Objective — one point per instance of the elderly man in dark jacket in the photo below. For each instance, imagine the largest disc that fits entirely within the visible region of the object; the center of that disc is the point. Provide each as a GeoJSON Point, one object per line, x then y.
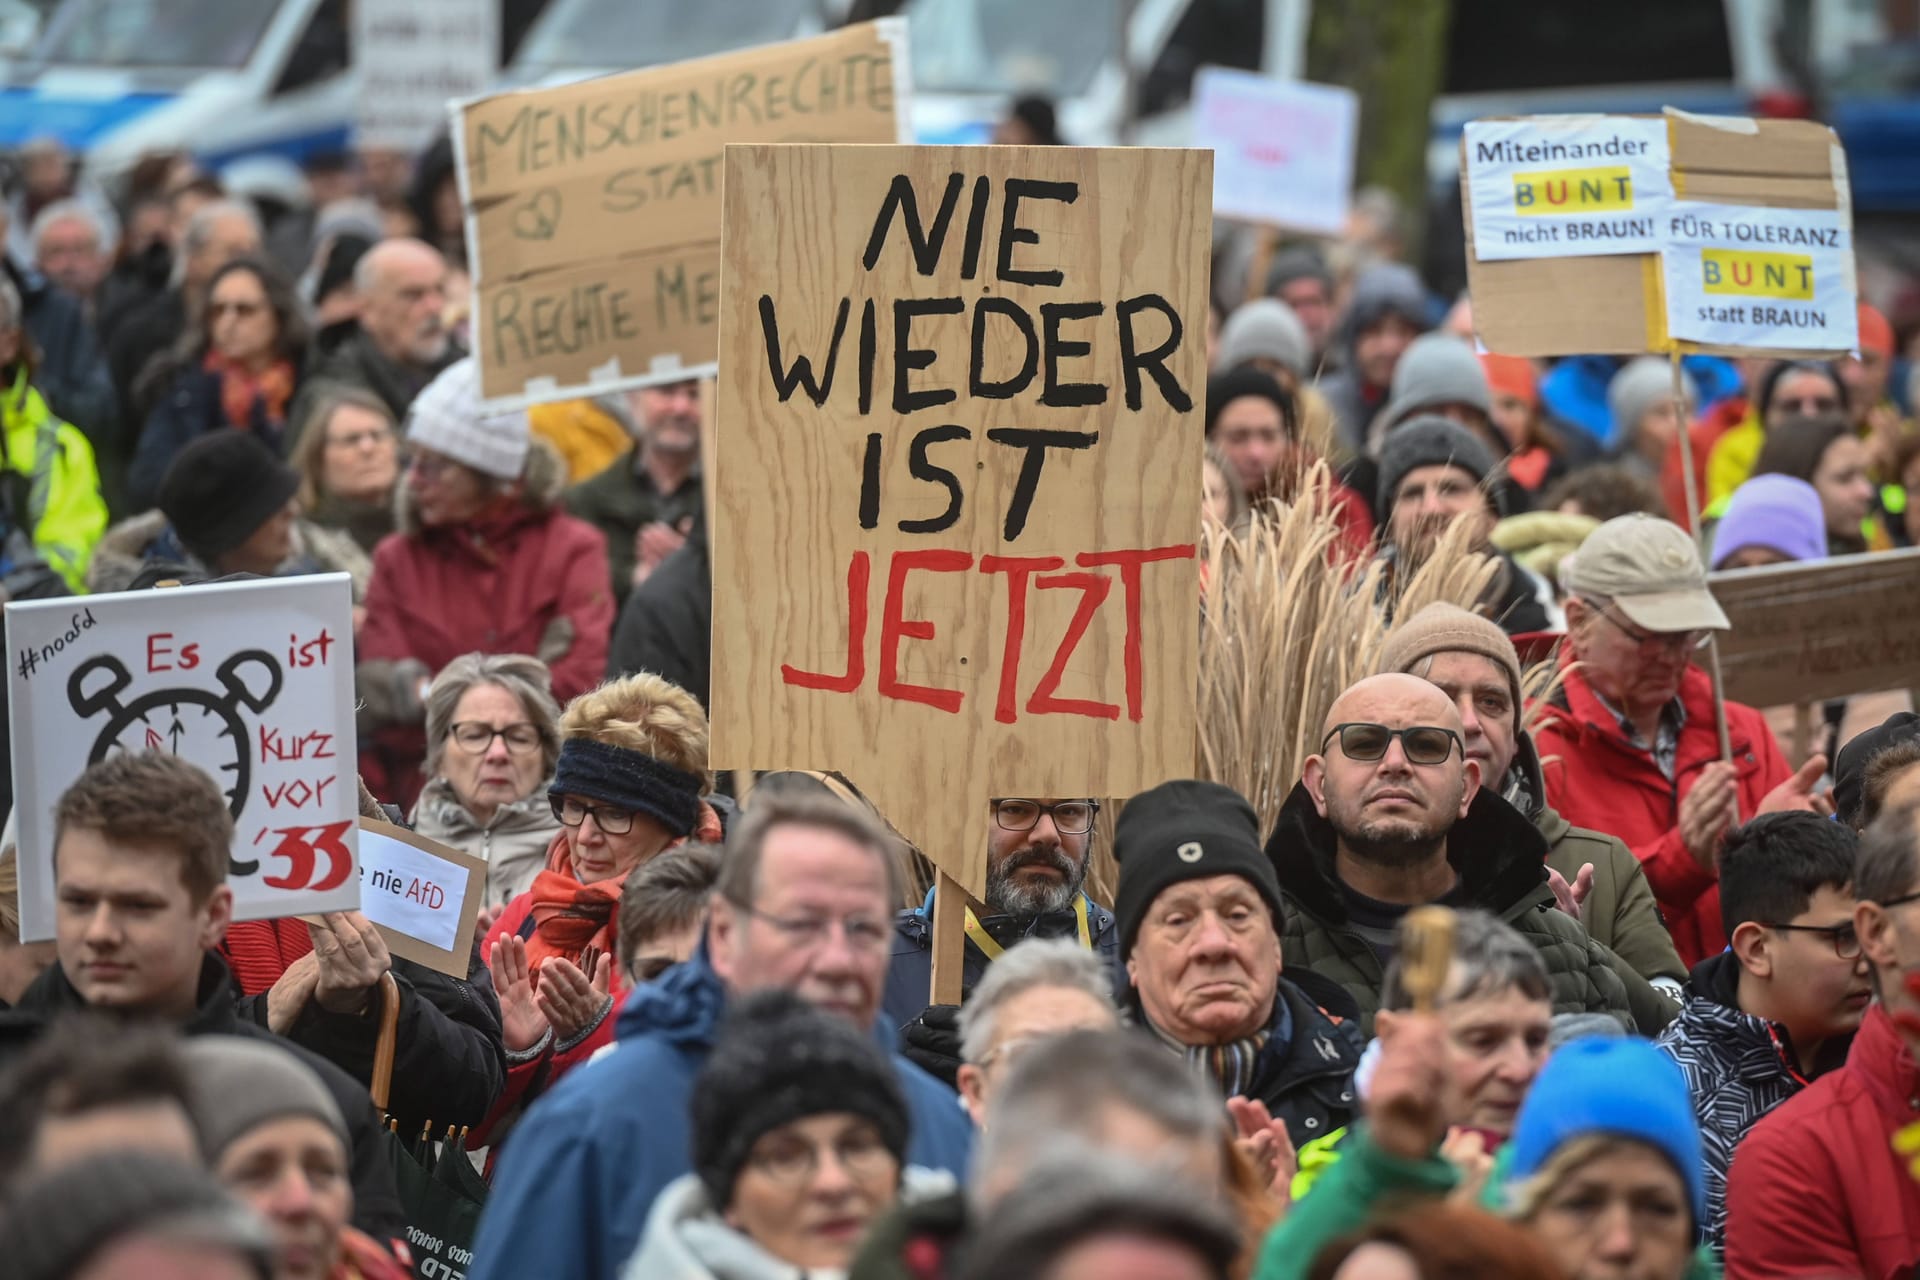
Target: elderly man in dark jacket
{"type": "Point", "coordinates": [1390, 816]}
{"type": "Point", "coordinates": [1199, 914]}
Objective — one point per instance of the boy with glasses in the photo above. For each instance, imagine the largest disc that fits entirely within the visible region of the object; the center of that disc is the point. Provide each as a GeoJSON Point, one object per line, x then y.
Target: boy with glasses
{"type": "Point", "coordinates": [1390, 815]}
{"type": "Point", "coordinates": [1780, 1006]}
{"type": "Point", "coordinates": [1629, 741]}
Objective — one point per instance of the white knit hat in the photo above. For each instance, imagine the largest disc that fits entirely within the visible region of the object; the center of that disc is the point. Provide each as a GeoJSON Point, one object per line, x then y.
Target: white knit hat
{"type": "Point", "coordinates": [446, 418]}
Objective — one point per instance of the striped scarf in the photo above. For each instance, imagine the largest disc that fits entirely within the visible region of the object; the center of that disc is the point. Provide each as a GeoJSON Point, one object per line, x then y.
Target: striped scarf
{"type": "Point", "coordinates": [1228, 1065]}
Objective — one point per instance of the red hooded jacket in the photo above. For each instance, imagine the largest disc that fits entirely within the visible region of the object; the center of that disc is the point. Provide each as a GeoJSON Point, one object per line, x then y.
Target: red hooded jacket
{"type": "Point", "coordinates": [1816, 1188]}
{"type": "Point", "coordinates": [1599, 780]}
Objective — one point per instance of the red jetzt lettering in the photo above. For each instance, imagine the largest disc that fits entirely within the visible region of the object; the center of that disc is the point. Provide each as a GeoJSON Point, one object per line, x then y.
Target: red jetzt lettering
{"type": "Point", "coordinates": [1018, 570]}
{"type": "Point", "coordinates": [1130, 563]}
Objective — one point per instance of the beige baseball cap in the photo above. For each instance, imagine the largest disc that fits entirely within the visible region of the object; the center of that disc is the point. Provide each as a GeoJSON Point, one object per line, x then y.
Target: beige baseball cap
{"type": "Point", "coordinates": [1651, 569]}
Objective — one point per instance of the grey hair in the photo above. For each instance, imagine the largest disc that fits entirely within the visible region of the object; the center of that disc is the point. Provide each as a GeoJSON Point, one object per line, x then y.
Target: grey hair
{"type": "Point", "coordinates": [10, 311]}
{"type": "Point", "coordinates": [1026, 966]}
{"type": "Point", "coordinates": [1068, 1089]}
{"type": "Point", "coordinates": [525, 677]}
{"type": "Point", "coordinates": [739, 881]}
{"type": "Point", "coordinates": [80, 210]}
{"type": "Point", "coordinates": [1489, 957]}
{"type": "Point", "coordinates": [200, 230]}
{"type": "Point", "coordinates": [1886, 869]}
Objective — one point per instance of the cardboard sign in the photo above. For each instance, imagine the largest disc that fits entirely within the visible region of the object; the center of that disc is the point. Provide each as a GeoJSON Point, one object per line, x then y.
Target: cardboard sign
{"type": "Point", "coordinates": [1282, 150]}
{"type": "Point", "coordinates": [1566, 186]}
{"type": "Point", "coordinates": [593, 209]}
{"type": "Point", "coordinates": [1805, 632]}
{"type": "Point", "coordinates": [250, 681]}
{"type": "Point", "coordinates": [1737, 276]}
{"type": "Point", "coordinates": [959, 443]}
{"type": "Point", "coordinates": [424, 896]}
{"type": "Point", "coordinates": [1615, 304]}
{"type": "Point", "coordinates": [415, 58]}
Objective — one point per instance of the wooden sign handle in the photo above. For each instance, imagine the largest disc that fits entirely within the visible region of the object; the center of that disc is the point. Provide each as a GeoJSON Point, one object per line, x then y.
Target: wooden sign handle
{"type": "Point", "coordinates": [949, 940]}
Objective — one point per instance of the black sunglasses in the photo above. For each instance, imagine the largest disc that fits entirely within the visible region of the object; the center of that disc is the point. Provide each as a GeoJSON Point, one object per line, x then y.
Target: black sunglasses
{"type": "Point", "coordinates": [1423, 743]}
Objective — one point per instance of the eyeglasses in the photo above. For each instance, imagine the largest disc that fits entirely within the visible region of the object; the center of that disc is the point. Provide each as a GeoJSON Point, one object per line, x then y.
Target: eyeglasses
{"type": "Point", "coordinates": [1652, 642]}
{"type": "Point", "coordinates": [1901, 901]}
{"type": "Point", "coordinates": [243, 310]}
{"type": "Point", "coordinates": [478, 736]}
{"type": "Point", "coordinates": [1070, 817]}
{"type": "Point", "coordinates": [1011, 1049]}
{"type": "Point", "coordinates": [431, 466]}
{"type": "Point", "coordinates": [1423, 743]}
{"type": "Point", "coordinates": [1808, 404]}
{"type": "Point", "coordinates": [793, 1161]}
{"type": "Point", "coordinates": [611, 821]}
{"type": "Point", "coordinates": [353, 440]}
{"type": "Point", "coordinates": [862, 933]}
{"type": "Point", "coordinates": [1846, 943]}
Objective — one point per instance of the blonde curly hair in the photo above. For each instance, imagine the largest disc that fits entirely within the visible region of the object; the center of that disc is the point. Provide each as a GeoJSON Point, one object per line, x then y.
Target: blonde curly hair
{"type": "Point", "coordinates": [645, 713]}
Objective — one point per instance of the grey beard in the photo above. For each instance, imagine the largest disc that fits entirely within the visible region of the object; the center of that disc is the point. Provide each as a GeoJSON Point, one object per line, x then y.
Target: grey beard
{"type": "Point", "coordinates": [1008, 897]}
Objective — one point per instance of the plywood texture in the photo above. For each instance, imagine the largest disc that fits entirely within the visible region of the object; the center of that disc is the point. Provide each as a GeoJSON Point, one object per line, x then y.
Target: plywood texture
{"type": "Point", "coordinates": [925, 716]}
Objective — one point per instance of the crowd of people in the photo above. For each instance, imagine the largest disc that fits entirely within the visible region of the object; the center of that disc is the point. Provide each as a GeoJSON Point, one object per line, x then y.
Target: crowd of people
{"type": "Point", "coordinates": [1673, 1027]}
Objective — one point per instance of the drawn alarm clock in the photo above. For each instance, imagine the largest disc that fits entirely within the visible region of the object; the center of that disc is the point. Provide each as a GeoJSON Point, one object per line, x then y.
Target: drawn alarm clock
{"type": "Point", "coordinates": [203, 726]}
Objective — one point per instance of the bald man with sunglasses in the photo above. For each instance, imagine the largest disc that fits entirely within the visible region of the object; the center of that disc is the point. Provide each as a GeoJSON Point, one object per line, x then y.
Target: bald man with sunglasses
{"type": "Point", "coordinates": [1391, 815]}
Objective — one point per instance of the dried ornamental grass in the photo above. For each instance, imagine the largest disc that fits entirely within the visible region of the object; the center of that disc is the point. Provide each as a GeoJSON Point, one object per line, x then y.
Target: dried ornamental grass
{"type": "Point", "coordinates": [1287, 627]}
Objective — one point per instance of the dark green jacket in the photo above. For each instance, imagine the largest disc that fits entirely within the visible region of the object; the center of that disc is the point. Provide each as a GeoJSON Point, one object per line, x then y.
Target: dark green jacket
{"type": "Point", "coordinates": [620, 501]}
{"type": "Point", "coordinates": [1500, 858]}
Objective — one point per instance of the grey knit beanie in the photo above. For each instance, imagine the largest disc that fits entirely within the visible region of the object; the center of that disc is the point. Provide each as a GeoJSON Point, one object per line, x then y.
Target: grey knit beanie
{"type": "Point", "coordinates": [1637, 386]}
{"type": "Point", "coordinates": [1428, 441]}
{"type": "Point", "coordinates": [1265, 328]}
{"type": "Point", "coordinates": [1436, 369]}
{"type": "Point", "coordinates": [240, 1084]}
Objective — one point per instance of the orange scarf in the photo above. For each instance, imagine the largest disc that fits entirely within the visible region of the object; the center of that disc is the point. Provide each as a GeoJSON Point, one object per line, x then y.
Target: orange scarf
{"type": "Point", "coordinates": [569, 916]}
{"type": "Point", "coordinates": [239, 390]}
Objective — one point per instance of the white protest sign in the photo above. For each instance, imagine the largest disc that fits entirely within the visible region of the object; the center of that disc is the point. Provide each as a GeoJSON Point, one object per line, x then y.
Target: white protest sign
{"type": "Point", "coordinates": [250, 681]}
{"type": "Point", "coordinates": [414, 57]}
{"type": "Point", "coordinates": [423, 896]}
{"type": "Point", "coordinates": [1282, 150]}
{"type": "Point", "coordinates": [1743, 276]}
{"type": "Point", "coordinates": [1567, 186]}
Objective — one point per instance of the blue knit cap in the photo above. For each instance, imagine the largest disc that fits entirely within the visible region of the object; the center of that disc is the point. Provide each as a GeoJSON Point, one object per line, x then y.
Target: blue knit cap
{"type": "Point", "coordinates": [1621, 1088]}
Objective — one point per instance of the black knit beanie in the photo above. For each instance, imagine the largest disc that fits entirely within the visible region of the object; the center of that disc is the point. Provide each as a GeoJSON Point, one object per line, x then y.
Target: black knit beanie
{"type": "Point", "coordinates": [1427, 441]}
{"type": "Point", "coordinates": [778, 1059]}
{"type": "Point", "coordinates": [221, 488]}
{"type": "Point", "coordinates": [1185, 830]}
{"type": "Point", "coordinates": [1224, 388]}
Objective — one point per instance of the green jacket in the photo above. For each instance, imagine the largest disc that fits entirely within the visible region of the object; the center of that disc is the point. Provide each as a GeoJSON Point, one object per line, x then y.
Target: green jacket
{"type": "Point", "coordinates": [1500, 858]}
{"type": "Point", "coordinates": [1363, 1180]}
{"type": "Point", "coordinates": [65, 514]}
{"type": "Point", "coordinates": [622, 499]}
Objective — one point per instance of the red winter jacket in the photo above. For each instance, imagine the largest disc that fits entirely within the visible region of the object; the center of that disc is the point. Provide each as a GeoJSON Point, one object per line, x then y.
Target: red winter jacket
{"type": "Point", "coordinates": [495, 585]}
{"type": "Point", "coordinates": [1816, 1188]}
{"type": "Point", "coordinates": [1598, 780]}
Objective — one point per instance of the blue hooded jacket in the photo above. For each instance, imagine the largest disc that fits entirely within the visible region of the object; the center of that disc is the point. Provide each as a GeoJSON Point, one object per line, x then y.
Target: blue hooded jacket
{"type": "Point", "coordinates": [1574, 391]}
{"type": "Point", "coordinates": [572, 1190]}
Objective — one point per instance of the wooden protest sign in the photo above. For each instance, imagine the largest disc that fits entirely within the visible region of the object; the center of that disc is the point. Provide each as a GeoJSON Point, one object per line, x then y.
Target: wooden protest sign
{"type": "Point", "coordinates": [959, 439]}
{"type": "Point", "coordinates": [422, 895]}
{"type": "Point", "coordinates": [1806, 632]}
{"type": "Point", "coordinates": [593, 209]}
{"type": "Point", "coordinates": [1521, 306]}
{"type": "Point", "coordinates": [250, 681]}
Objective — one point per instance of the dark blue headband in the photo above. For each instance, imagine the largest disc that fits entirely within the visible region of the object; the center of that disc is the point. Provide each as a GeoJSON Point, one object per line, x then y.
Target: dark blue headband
{"type": "Point", "coordinates": [631, 780]}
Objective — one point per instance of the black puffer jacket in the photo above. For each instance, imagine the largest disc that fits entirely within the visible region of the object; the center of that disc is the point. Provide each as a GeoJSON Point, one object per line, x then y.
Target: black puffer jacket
{"type": "Point", "coordinates": [1501, 861]}
{"type": "Point", "coordinates": [376, 1200]}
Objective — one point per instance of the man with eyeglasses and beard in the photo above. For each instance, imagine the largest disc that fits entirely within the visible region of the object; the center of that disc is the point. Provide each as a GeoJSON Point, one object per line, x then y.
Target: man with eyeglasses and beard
{"type": "Point", "coordinates": [1038, 849]}
{"type": "Point", "coordinates": [1390, 815]}
{"type": "Point", "coordinates": [1628, 740]}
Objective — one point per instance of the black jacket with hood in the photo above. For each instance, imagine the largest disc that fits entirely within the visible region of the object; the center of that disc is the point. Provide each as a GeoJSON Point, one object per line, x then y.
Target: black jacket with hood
{"type": "Point", "coordinates": [376, 1200]}
{"type": "Point", "coordinates": [1500, 859]}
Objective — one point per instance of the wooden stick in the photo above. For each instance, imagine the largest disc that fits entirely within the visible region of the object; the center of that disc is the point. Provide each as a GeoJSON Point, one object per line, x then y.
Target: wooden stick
{"type": "Point", "coordinates": [949, 940]}
{"type": "Point", "coordinates": [1266, 240]}
{"type": "Point", "coordinates": [1695, 523]}
{"type": "Point", "coordinates": [1802, 732]}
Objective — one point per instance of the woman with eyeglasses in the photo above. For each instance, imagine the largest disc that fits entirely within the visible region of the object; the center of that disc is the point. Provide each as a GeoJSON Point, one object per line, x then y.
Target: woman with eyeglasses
{"type": "Point", "coordinates": [348, 457]}
{"type": "Point", "coordinates": [493, 738]}
{"type": "Point", "coordinates": [799, 1141]}
{"type": "Point", "coordinates": [1824, 451]}
{"type": "Point", "coordinates": [1792, 388]}
{"type": "Point", "coordinates": [239, 370]}
{"type": "Point", "coordinates": [630, 783]}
